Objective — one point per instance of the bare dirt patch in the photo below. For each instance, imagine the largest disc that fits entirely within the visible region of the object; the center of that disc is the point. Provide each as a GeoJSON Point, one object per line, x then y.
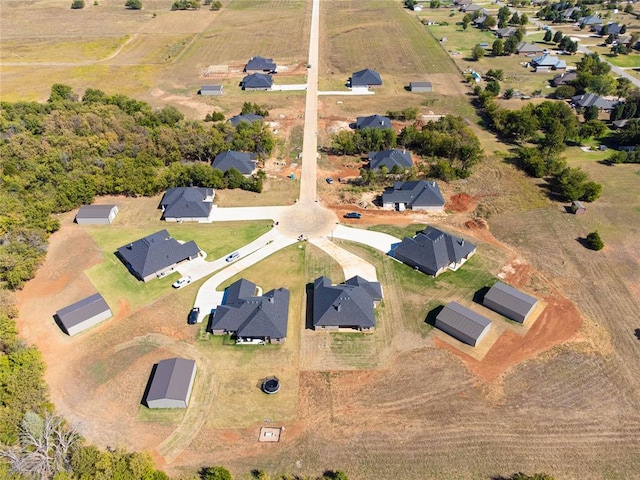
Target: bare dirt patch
{"type": "Point", "coordinates": [461, 203]}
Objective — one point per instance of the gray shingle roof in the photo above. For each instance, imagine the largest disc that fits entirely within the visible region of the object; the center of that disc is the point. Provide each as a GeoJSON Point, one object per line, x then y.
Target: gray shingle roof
{"type": "Point", "coordinates": [346, 305]}
{"type": "Point", "coordinates": [373, 121]}
{"type": "Point", "coordinates": [524, 47]}
{"type": "Point", "coordinates": [590, 99]}
{"type": "Point", "coordinates": [260, 63]}
{"type": "Point", "coordinates": [171, 379]}
{"type": "Point", "coordinates": [432, 250]}
{"type": "Point", "coordinates": [389, 159]}
{"type": "Point", "coordinates": [246, 117]}
{"type": "Point", "coordinates": [417, 193]}
{"type": "Point", "coordinates": [250, 316]}
{"type": "Point", "coordinates": [187, 202]}
{"type": "Point", "coordinates": [509, 302]}
{"type": "Point", "coordinates": [457, 319]}
{"type": "Point", "coordinates": [156, 252]}
{"type": "Point", "coordinates": [81, 311]}
{"type": "Point", "coordinates": [241, 161]}
{"type": "Point", "coordinates": [590, 20]}
{"type": "Point", "coordinates": [257, 80]}
{"type": "Point", "coordinates": [366, 77]}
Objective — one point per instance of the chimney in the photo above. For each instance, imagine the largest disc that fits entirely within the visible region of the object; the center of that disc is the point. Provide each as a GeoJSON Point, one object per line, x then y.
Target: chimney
{"type": "Point", "coordinates": [462, 242]}
{"type": "Point", "coordinates": [270, 300]}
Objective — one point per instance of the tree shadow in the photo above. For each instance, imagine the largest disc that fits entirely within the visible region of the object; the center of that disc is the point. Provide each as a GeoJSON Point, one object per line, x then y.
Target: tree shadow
{"type": "Point", "coordinates": [637, 333]}
{"type": "Point", "coordinates": [431, 316]}
{"type": "Point", "coordinates": [583, 241]}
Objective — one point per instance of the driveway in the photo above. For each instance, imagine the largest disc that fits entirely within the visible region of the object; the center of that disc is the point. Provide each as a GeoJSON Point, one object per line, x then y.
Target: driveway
{"type": "Point", "coordinates": [351, 264]}
{"type": "Point", "coordinates": [230, 214]}
{"type": "Point", "coordinates": [378, 240]}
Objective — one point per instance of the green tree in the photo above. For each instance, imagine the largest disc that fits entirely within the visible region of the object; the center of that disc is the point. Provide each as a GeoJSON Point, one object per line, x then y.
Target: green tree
{"type": "Point", "coordinates": [77, 4]}
{"type": "Point", "coordinates": [557, 37]}
{"type": "Point", "coordinates": [524, 19]}
{"type": "Point", "coordinates": [498, 47]}
{"type": "Point", "coordinates": [594, 242]}
{"type": "Point", "coordinates": [489, 23]}
{"type": "Point", "coordinates": [216, 5]}
{"type": "Point", "coordinates": [628, 8]}
{"type": "Point", "coordinates": [133, 4]}
{"type": "Point", "coordinates": [493, 87]}
{"type": "Point", "coordinates": [547, 36]}
{"type": "Point", "coordinates": [477, 52]}
{"type": "Point", "coordinates": [60, 92]}
{"type": "Point", "coordinates": [565, 91]}
{"type": "Point", "coordinates": [216, 473]}
{"type": "Point", "coordinates": [590, 113]}
{"type": "Point", "coordinates": [515, 19]}
{"type": "Point", "coordinates": [511, 45]}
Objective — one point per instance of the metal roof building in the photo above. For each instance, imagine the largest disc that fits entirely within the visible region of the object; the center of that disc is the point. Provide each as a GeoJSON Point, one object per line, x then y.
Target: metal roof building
{"type": "Point", "coordinates": [509, 302]}
{"type": "Point", "coordinates": [462, 323]}
{"type": "Point", "coordinates": [420, 87]}
{"type": "Point", "coordinates": [209, 90]}
{"type": "Point", "coordinates": [83, 314]}
{"type": "Point", "coordinates": [96, 214]}
{"type": "Point", "coordinates": [190, 204]}
{"type": "Point", "coordinates": [172, 383]}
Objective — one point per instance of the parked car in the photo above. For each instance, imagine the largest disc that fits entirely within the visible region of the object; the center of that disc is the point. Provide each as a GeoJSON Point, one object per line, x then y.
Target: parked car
{"type": "Point", "coordinates": [193, 316]}
{"type": "Point", "coordinates": [352, 215]}
{"type": "Point", "coordinates": [182, 282]}
{"type": "Point", "coordinates": [329, 180]}
{"type": "Point", "coordinates": [232, 257]}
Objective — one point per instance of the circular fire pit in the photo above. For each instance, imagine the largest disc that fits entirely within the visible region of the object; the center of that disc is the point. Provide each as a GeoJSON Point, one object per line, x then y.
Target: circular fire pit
{"type": "Point", "coordinates": [271, 385]}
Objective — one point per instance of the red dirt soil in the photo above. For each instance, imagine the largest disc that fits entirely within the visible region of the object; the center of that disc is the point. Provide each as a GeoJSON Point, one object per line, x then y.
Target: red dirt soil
{"type": "Point", "coordinates": [461, 203]}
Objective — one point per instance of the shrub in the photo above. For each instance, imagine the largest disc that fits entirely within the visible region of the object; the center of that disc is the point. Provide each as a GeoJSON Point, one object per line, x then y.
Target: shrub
{"type": "Point", "coordinates": [594, 242]}
{"type": "Point", "coordinates": [133, 4]}
{"type": "Point", "coordinates": [77, 4]}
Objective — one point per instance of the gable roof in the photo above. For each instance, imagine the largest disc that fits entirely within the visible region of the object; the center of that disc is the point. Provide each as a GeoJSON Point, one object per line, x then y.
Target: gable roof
{"type": "Point", "coordinates": [172, 379]}
{"type": "Point", "coordinates": [548, 60]}
{"type": "Point", "coordinates": [591, 99]}
{"type": "Point", "coordinates": [187, 202]}
{"type": "Point", "coordinates": [418, 193]}
{"type": "Point", "coordinates": [432, 250]}
{"type": "Point", "coordinates": [260, 63]}
{"type": "Point", "coordinates": [461, 319]}
{"type": "Point", "coordinates": [373, 121]}
{"type": "Point", "coordinates": [245, 117]}
{"type": "Point", "coordinates": [346, 305]}
{"type": "Point", "coordinates": [524, 47]}
{"type": "Point", "coordinates": [389, 159]}
{"type": "Point", "coordinates": [241, 161]}
{"type": "Point", "coordinates": [82, 311]}
{"type": "Point", "coordinates": [156, 252]}
{"type": "Point", "coordinates": [250, 316]}
{"type": "Point", "coordinates": [211, 88]}
{"type": "Point", "coordinates": [257, 80]}
{"type": "Point", "coordinates": [612, 28]}
{"type": "Point", "coordinates": [95, 211]}
{"type": "Point", "coordinates": [363, 78]}
{"type": "Point", "coordinates": [509, 301]}
{"type": "Point", "coordinates": [564, 78]}
{"type": "Point", "coordinates": [506, 32]}
{"type": "Point", "coordinates": [590, 20]}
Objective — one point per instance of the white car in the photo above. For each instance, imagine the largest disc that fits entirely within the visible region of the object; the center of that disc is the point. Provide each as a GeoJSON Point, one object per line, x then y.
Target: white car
{"type": "Point", "coordinates": [182, 282]}
{"type": "Point", "coordinates": [232, 257]}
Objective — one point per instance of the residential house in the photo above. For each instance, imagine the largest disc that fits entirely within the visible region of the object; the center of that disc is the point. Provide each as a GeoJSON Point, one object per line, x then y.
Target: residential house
{"type": "Point", "coordinates": [245, 117]}
{"type": "Point", "coordinates": [547, 62]}
{"type": "Point", "coordinates": [96, 214]}
{"type": "Point", "coordinates": [260, 64]}
{"type": "Point", "coordinates": [463, 324]}
{"type": "Point", "coordinates": [591, 99]}
{"type": "Point", "coordinates": [349, 305]}
{"type": "Point", "coordinates": [171, 383]}
{"type": "Point", "coordinates": [416, 195]}
{"type": "Point", "coordinates": [241, 161]}
{"type": "Point", "coordinates": [525, 48]}
{"type": "Point", "coordinates": [365, 79]}
{"type": "Point", "coordinates": [479, 21]}
{"type": "Point", "coordinates": [570, 13]}
{"type": "Point", "coordinates": [506, 32]}
{"type": "Point", "coordinates": [83, 314]}
{"type": "Point", "coordinates": [590, 21]}
{"type": "Point", "coordinates": [433, 251]}
{"type": "Point", "coordinates": [156, 255]}
{"type": "Point", "coordinates": [390, 159]}
{"type": "Point", "coordinates": [564, 78]}
{"type": "Point", "coordinates": [510, 302]}
{"type": "Point", "coordinates": [610, 28]}
{"type": "Point", "coordinates": [372, 121]}
{"type": "Point", "coordinates": [211, 90]}
{"type": "Point", "coordinates": [249, 317]}
{"type": "Point", "coordinates": [257, 81]}
{"type": "Point", "coordinates": [420, 87]}
{"type": "Point", "coordinates": [471, 7]}
{"type": "Point", "coordinates": [187, 204]}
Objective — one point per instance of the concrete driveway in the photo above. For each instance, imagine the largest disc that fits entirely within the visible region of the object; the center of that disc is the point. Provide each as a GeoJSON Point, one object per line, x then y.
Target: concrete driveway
{"type": "Point", "coordinates": [230, 214]}
{"type": "Point", "coordinates": [378, 240]}
{"type": "Point", "coordinates": [351, 264]}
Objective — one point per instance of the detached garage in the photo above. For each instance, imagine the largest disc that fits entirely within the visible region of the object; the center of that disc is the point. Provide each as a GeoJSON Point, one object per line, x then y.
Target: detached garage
{"type": "Point", "coordinates": [171, 383]}
{"type": "Point", "coordinates": [509, 302]}
{"type": "Point", "coordinates": [462, 323]}
{"type": "Point", "coordinates": [96, 214]}
{"type": "Point", "coordinates": [83, 314]}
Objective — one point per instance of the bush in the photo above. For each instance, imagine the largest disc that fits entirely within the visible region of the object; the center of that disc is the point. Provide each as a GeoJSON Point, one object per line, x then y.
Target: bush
{"type": "Point", "coordinates": [477, 53]}
{"type": "Point", "coordinates": [214, 117]}
{"type": "Point", "coordinates": [594, 242]}
{"type": "Point", "coordinates": [133, 4]}
{"type": "Point", "coordinates": [565, 91]}
{"type": "Point", "coordinates": [77, 4]}
{"type": "Point", "coordinates": [216, 473]}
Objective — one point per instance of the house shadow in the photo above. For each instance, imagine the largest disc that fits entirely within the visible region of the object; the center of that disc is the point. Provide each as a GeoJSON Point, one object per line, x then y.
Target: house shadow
{"type": "Point", "coordinates": [143, 400]}
{"type": "Point", "coordinates": [431, 316]}
{"type": "Point", "coordinates": [478, 297]}
{"type": "Point", "coordinates": [308, 315]}
{"type": "Point", "coordinates": [637, 333]}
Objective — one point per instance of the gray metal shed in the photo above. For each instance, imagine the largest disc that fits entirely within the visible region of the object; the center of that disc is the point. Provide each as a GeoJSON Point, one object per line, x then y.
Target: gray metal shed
{"type": "Point", "coordinates": [96, 214]}
{"type": "Point", "coordinates": [172, 383]}
{"type": "Point", "coordinates": [509, 302]}
{"type": "Point", "coordinates": [420, 87]}
{"type": "Point", "coordinates": [461, 323]}
{"type": "Point", "coordinates": [83, 314]}
{"type": "Point", "coordinates": [209, 90]}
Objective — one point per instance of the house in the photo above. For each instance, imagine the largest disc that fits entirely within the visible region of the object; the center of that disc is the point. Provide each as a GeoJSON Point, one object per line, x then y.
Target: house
{"type": "Point", "coordinates": [257, 81]}
{"type": "Point", "coordinates": [589, 21]}
{"type": "Point", "coordinates": [171, 383]}
{"type": "Point", "coordinates": [510, 302]}
{"type": "Point", "coordinates": [83, 314]}
{"type": "Point", "coordinates": [245, 117]}
{"type": "Point", "coordinates": [187, 204]}
{"type": "Point", "coordinates": [249, 317]}
{"type": "Point", "coordinates": [610, 28]}
{"type": "Point", "coordinates": [347, 305]}
{"type": "Point", "coordinates": [506, 32]}
{"type": "Point", "coordinates": [241, 161]}
{"type": "Point", "coordinates": [390, 159]}
{"type": "Point", "coordinates": [529, 48]}
{"type": "Point", "coordinates": [365, 79]}
{"type": "Point", "coordinates": [433, 251]}
{"type": "Point", "coordinates": [547, 62]}
{"type": "Point", "coordinates": [564, 78]}
{"type": "Point", "coordinates": [591, 99]}
{"type": "Point", "coordinates": [578, 208]}
{"type": "Point", "coordinates": [96, 214]}
{"type": "Point", "coordinates": [417, 195]}
{"type": "Point", "coordinates": [470, 8]}
{"type": "Point", "coordinates": [461, 3]}
{"type": "Point", "coordinates": [372, 121]}
{"type": "Point", "coordinates": [156, 255]}
{"type": "Point", "coordinates": [211, 90]}
{"type": "Point", "coordinates": [570, 13]}
{"type": "Point", "coordinates": [420, 87]}
{"type": "Point", "coordinates": [479, 21]}
{"type": "Point", "coordinates": [463, 324]}
{"type": "Point", "coordinates": [260, 64]}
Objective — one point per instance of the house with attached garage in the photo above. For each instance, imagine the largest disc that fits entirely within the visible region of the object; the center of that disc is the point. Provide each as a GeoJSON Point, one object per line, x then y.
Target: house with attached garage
{"type": "Point", "coordinates": [349, 305]}
{"type": "Point", "coordinates": [171, 383]}
{"type": "Point", "coordinates": [156, 255]}
{"type": "Point", "coordinates": [525, 48]}
{"type": "Point", "coordinates": [257, 81]}
{"type": "Point", "coordinates": [187, 204]}
{"type": "Point", "coordinates": [506, 32]}
{"type": "Point", "coordinates": [390, 159]}
{"type": "Point", "coordinates": [372, 121]}
{"type": "Point", "coordinates": [83, 314]}
{"type": "Point", "coordinates": [241, 161]}
{"type": "Point", "coordinates": [433, 251]}
{"type": "Point", "coordinates": [591, 99]}
{"type": "Point", "coordinates": [564, 78]}
{"type": "Point", "coordinates": [260, 64]}
{"type": "Point", "coordinates": [96, 214]}
{"type": "Point", "coordinates": [416, 195]}
{"type": "Point", "coordinates": [245, 117]}
{"type": "Point", "coordinates": [510, 302]}
{"type": "Point", "coordinates": [462, 324]}
{"type": "Point", "coordinates": [248, 317]}
{"type": "Point", "coordinates": [547, 62]}
{"type": "Point", "coordinates": [366, 78]}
